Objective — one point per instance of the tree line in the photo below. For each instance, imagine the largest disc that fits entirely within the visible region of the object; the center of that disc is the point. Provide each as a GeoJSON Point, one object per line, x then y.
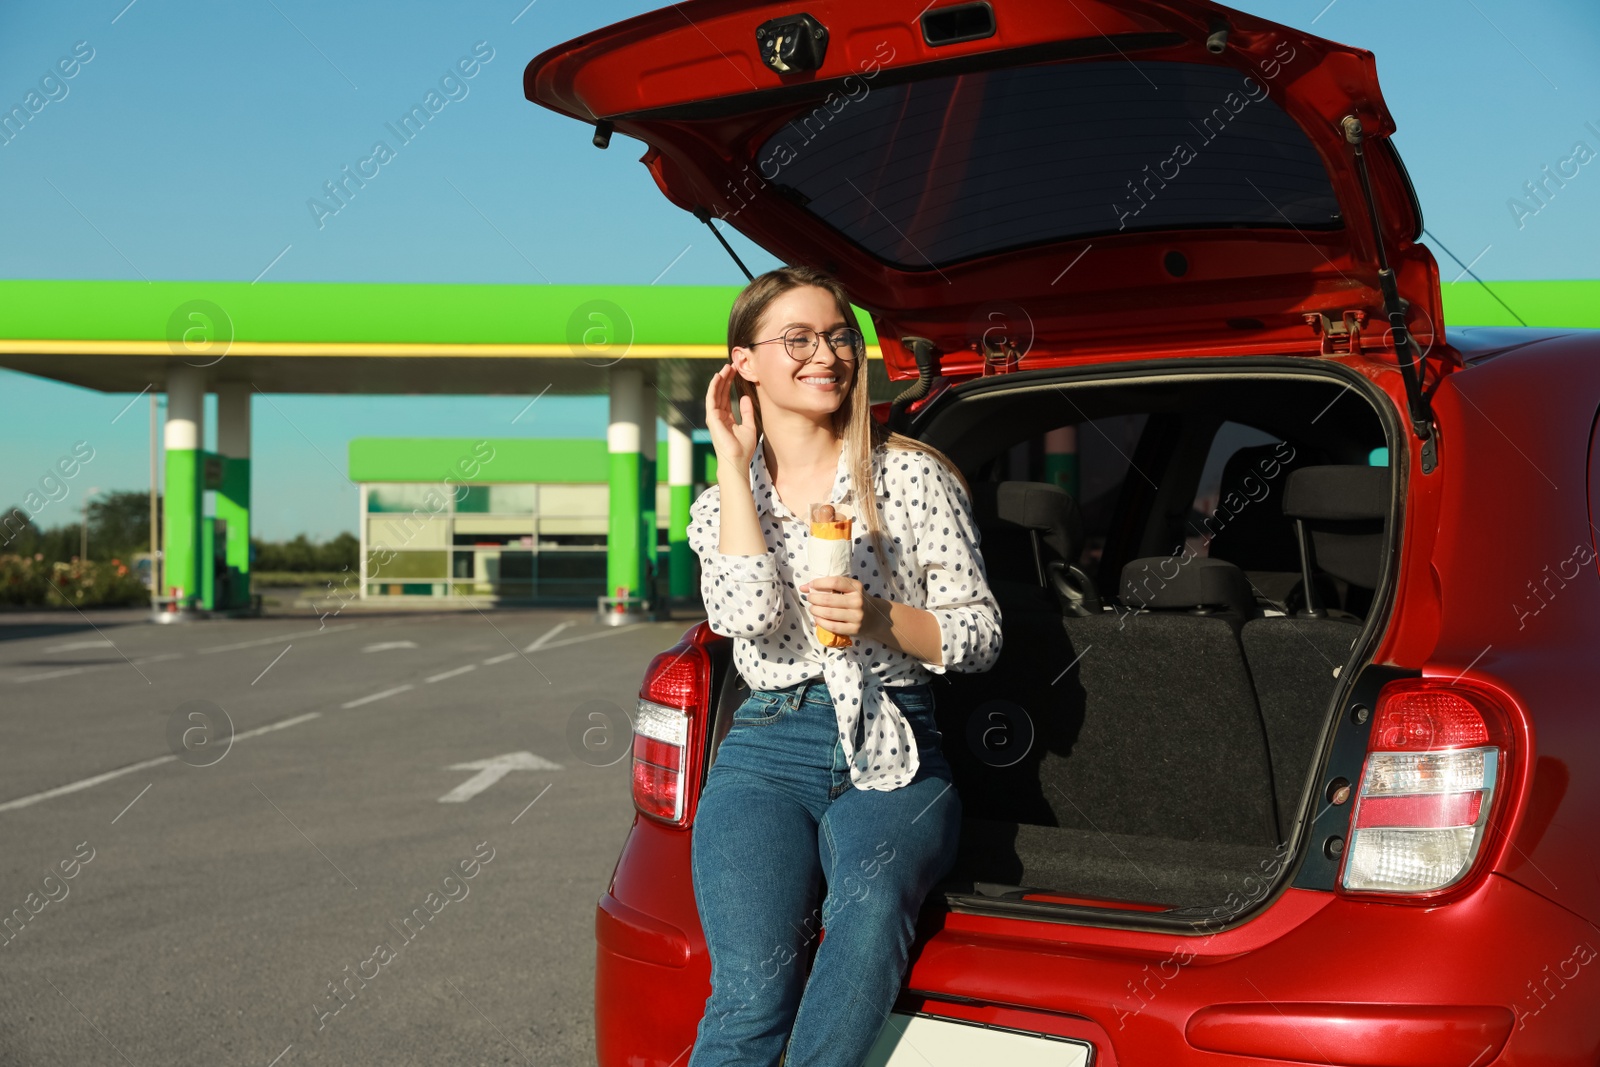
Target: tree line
{"type": "Point", "coordinates": [119, 529]}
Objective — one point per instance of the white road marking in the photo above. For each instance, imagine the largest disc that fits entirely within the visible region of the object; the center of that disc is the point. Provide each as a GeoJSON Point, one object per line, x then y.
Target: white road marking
{"type": "Point", "coordinates": [545, 639]}
{"type": "Point", "coordinates": [85, 783]}
{"type": "Point", "coordinates": [385, 646]}
{"type": "Point", "coordinates": [73, 646]}
{"type": "Point", "coordinates": [274, 640]}
{"type": "Point", "coordinates": [376, 696]}
{"type": "Point", "coordinates": [608, 632]}
{"type": "Point", "coordinates": [543, 642]}
{"type": "Point", "coordinates": [66, 671]}
{"type": "Point", "coordinates": [491, 771]}
{"type": "Point", "coordinates": [60, 673]}
{"type": "Point", "coordinates": [267, 729]}
{"type": "Point", "coordinates": [73, 787]}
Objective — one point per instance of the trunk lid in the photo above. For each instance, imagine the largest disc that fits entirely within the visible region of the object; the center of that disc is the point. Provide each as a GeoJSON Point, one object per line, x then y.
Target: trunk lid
{"type": "Point", "coordinates": [1095, 179]}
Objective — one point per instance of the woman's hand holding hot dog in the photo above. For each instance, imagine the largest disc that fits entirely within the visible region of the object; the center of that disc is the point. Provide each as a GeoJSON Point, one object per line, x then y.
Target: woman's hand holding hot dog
{"type": "Point", "coordinates": [839, 603]}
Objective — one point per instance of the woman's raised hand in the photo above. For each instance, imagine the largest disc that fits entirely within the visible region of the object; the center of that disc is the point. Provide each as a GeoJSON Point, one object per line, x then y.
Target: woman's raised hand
{"type": "Point", "coordinates": [733, 442]}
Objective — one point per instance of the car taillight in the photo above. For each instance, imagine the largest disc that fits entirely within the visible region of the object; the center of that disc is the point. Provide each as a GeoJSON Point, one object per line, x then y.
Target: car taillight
{"type": "Point", "coordinates": [1427, 790]}
{"type": "Point", "coordinates": [676, 692]}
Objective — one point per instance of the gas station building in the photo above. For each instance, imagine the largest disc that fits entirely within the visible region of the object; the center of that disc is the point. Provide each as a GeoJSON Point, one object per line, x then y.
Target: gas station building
{"type": "Point", "coordinates": [532, 522]}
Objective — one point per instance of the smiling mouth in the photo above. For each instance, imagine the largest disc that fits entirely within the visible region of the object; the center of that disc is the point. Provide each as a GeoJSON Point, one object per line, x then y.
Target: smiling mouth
{"type": "Point", "coordinates": [820, 381]}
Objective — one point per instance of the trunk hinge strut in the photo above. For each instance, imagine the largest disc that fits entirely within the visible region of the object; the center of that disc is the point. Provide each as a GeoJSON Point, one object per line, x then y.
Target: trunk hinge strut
{"type": "Point", "coordinates": [1406, 350]}
{"type": "Point", "coordinates": [705, 216]}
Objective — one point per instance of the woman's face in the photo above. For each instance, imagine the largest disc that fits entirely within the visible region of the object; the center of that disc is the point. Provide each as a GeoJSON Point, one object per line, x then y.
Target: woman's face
{"type": "Point", "coordinates": [816, 386]}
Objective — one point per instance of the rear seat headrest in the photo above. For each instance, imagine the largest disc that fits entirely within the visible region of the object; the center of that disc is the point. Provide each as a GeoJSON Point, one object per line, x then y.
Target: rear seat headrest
{"type": "Point", "coordinates": [1040, 506]}
{"type": "Point", "coordinates": [1338, 493]}
{"type": "Point", "coordinates": [1344, 508]}
{"type": "Point", "coordinates": [1167, 582]}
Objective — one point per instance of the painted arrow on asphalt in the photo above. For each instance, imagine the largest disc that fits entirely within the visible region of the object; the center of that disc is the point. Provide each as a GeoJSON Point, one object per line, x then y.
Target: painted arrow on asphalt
{"type": "Point", "coordinates": [491, 771]}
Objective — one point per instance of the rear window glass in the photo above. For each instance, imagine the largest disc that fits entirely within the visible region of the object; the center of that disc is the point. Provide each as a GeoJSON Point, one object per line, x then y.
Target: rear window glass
{"type": "Point", "coordinates": [1208, 514]}
{"type": "Point", "coordinates": [940, 170]}
{"type": "Point", "coordinates": [1090, 459]}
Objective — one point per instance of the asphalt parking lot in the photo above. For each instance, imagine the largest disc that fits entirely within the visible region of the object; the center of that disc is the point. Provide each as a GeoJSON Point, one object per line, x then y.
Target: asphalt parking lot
{"type": "Point", "coordinates": [282, 841]}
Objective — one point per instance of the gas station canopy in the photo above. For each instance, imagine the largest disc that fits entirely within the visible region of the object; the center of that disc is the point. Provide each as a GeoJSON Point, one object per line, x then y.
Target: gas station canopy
{"type": "Point", "coordinates": [650, 349]}
{"type": "Point", "coordinates": [394, 339]}
{"type": "Point", "coordinates": [333, 338]}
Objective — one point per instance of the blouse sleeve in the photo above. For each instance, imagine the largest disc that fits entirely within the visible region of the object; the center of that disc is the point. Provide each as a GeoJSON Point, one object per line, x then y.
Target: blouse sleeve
{"type": "Point", "coordinates": [954, 578]}
{"type": "Point", "coordinates": [741, 593]}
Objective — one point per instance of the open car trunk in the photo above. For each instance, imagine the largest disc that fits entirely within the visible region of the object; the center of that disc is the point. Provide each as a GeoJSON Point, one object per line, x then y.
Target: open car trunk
{"type": "Point", "coordinates": [1181, 233]}
{"type": "Point", "coordinates": [1157, 751]}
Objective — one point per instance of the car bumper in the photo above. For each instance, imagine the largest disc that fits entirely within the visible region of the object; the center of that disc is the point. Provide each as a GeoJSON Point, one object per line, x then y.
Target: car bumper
{"type": "Point", "coordinates": [1502, 976]}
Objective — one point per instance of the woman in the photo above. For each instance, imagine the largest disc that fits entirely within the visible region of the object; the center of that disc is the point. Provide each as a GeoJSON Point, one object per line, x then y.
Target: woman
{"type": "Point", "coordinates": [832, 767]}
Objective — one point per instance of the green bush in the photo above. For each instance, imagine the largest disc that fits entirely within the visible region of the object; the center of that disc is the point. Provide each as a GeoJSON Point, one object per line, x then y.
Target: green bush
{"type": "Point", "coordinates": [22, 580]}
{"type": "Point", "coordinates": [32, 581]}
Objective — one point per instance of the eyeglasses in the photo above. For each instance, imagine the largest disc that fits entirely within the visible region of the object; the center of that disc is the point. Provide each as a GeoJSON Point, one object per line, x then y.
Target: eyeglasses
{"type": "Point", "coordinates": [800, 343]}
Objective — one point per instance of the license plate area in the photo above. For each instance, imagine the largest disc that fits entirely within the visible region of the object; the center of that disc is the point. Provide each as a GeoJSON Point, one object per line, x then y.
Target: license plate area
{"type": "Point", "coordinates": [927, 1041]}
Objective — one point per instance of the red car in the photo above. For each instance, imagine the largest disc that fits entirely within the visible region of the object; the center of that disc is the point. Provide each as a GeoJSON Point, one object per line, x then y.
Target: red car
{"type": "Point", "coordinates": [1284, 758]}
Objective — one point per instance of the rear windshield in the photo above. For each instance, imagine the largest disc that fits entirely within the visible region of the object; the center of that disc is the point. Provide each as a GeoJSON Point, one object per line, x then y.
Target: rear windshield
{"type": "Point", "coordinates": [940, 170]}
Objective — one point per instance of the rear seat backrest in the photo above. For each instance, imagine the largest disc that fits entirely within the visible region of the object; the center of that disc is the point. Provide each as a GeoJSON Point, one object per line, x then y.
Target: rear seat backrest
{"type": "Point", "coordinates": [1210, 586]}
{"type": "Point", "coordinates": [1256, 534]}
{"type": "Point", "coordinates": [1011, 707]}
{"type": "Point", "coordinates": [1169, 741]}
{"type": "Point", "coordinates": [1293, 658]}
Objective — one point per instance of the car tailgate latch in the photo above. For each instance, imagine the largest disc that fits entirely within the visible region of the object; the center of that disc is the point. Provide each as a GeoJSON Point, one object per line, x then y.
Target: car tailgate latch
{"type": "Point", "coordinates": [1000, 358]}
{"type": "Point", "coordinates": [1340, 337]}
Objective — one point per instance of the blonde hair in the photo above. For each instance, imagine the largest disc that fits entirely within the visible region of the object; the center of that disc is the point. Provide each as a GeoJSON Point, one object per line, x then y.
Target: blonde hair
{"type": "Point", "coordinates": [853, 420]}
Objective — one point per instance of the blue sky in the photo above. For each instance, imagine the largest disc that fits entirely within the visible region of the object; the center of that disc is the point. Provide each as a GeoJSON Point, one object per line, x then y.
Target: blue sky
{"type": "Point", "coordinates": [188, 146]}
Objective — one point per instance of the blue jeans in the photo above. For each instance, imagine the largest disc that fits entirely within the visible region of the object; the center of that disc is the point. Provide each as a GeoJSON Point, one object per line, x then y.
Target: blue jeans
{"type": "Point", "coordinates": [778, 814]}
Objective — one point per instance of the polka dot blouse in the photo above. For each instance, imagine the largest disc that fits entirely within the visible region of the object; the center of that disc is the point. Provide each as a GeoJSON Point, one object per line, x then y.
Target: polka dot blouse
{"type": "Point", "coordinates": [932, 545]}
